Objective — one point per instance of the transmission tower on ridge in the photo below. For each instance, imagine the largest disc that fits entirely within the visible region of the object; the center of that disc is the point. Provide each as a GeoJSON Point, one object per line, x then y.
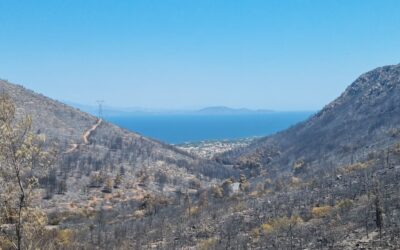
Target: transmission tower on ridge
{"type": "Point", "coordinates": [100, 103]}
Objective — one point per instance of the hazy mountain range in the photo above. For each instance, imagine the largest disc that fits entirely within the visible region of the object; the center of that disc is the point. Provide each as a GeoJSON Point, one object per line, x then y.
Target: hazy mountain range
{"type": "Point", "coordinates": [124, 111]}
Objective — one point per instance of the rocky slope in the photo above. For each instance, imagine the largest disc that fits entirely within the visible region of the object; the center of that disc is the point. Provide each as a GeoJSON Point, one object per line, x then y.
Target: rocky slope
{"type": "Point", "coordinates": [365, 118]}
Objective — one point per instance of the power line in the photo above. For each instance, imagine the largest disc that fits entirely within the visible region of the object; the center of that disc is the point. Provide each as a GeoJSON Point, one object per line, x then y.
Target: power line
{"type": "Point", "coordinates": [100, 103]}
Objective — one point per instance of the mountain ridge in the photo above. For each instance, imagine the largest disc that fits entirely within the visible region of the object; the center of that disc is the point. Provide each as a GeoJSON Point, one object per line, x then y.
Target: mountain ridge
{"type": "Point", "coordinates": [359, 121]}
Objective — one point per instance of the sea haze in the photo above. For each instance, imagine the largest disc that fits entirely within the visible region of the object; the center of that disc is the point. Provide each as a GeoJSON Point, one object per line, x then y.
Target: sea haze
{"type": "Point", "coordinates": [182, 128]}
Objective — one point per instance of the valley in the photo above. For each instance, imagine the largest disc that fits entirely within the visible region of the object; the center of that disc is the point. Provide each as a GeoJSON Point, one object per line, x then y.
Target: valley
{"type": "Point", "coordinates": [330, 182]}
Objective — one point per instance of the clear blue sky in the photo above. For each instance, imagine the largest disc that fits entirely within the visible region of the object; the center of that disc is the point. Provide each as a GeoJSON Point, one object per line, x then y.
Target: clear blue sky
{"type": "Point", "coordinates": [283, 55]}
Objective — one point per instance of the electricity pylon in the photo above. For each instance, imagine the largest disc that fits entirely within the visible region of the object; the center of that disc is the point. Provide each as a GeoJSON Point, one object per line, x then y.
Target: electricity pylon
{"type": "Point", "coordinates": [100, 103]}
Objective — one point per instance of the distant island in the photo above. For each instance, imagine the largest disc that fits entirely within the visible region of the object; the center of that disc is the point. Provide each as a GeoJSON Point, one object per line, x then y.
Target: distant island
{"type": "Point", "coordinates": [222, 110]}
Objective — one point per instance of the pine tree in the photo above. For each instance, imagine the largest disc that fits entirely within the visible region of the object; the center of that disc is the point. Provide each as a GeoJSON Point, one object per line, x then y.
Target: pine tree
{"type": "Point", "coordinates": [108, 186]}
{"type": "Point", "coordinates": [117, 181]}
{"type": "Point", "coordinates": [23, 161]}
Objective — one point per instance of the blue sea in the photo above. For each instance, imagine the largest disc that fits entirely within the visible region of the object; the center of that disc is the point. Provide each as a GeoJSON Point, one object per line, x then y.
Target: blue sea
{"type": "Point", "coordinates": [178, 128]}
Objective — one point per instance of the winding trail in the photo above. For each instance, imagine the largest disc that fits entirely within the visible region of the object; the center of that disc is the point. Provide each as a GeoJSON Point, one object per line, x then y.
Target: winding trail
{"type": "Point", "coordinates": [73, 147]}
{"type": "Point", "coordinates": [85, 137]}
{"type": "Point", "coordinates": [87, 134]}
